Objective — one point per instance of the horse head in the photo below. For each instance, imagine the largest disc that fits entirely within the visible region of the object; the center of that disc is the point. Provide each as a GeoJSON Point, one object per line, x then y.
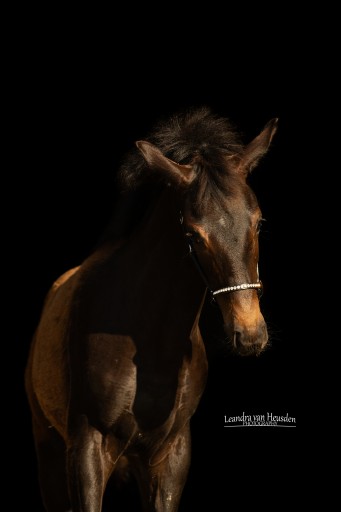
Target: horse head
{"type": "Point", "coordinates": [221, 220]}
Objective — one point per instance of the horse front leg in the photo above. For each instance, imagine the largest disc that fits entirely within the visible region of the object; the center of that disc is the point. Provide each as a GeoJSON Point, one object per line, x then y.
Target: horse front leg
{"type": "Point", "coordinates": [88, 468]}
{"type": "Point", "coordinates": [161, 485]}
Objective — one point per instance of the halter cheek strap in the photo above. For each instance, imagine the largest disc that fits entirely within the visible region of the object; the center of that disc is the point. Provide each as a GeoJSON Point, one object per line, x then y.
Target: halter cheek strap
{"type": "Point", "coordinates": [198, 266]}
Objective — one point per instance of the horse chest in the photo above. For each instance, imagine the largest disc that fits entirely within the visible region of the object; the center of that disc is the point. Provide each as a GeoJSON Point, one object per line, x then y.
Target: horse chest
{"type": "Point", "coordinates": [120, 384]}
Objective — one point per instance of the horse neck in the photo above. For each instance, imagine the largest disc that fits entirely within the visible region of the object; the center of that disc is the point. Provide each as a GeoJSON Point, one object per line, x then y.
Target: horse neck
{"type": "Point", "coordinates": [148, 275]}
{"type": "Point", "coordinates": [163, 222]}
{"type": "Point", "coordinates": [162, 249]}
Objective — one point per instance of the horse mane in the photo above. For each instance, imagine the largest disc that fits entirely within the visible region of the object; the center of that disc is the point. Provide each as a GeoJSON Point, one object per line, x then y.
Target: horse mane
{"type": "Point", "coordinates": [196, 136]}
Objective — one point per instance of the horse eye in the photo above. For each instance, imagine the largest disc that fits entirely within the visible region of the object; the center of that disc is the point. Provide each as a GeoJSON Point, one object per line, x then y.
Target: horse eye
{"type": "Point", "coordinates": [259, 225]}
{"type": "Point", "coordinates": [193, 236]}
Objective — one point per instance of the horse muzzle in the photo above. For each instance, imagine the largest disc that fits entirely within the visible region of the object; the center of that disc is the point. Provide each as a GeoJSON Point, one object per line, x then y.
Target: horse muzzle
{"type": "Point", "coordinates": [247, 340]}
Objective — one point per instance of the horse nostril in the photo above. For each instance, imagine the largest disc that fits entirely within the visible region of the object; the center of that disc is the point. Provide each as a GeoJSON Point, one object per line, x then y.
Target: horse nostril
{"type": "Point", "coordinates": [237, 339]}
{"type": "Point", "coordinates": [250, 339]}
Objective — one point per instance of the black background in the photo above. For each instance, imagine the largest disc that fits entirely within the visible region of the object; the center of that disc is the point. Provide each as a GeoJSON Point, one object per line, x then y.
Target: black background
{"type": "Point", "coordinates": [80, 100]}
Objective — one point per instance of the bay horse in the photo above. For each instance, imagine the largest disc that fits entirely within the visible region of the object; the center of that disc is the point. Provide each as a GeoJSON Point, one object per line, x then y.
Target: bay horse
{"type": "Point", "coordinates": [118, 365]}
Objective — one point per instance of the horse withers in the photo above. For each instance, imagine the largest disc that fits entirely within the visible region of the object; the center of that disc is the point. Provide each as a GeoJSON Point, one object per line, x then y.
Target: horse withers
{"type": "Point", "coordinates": [118, 366]}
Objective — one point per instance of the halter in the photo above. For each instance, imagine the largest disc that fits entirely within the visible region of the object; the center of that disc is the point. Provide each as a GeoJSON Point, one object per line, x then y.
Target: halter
{"type": "Point", "coordinates": [228, 289]}
{"type": "Point", "coordinates": [244, 286]}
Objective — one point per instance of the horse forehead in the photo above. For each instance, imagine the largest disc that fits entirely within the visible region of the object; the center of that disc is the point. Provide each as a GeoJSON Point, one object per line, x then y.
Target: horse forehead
{"type": "Point", "coordinates": [231, 218]}
{"type": "Point", "coordinates": [227, 212]}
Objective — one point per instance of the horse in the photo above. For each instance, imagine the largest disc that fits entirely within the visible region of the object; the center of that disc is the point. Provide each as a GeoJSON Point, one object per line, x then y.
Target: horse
{"type": "Point", "coordinates": [117, 365]}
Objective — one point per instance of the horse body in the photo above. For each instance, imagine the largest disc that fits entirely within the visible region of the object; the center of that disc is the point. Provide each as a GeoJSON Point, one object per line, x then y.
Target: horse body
{"type": "Point", "coordinates": [118, 365]}
{"type": "Point", "coordinates": [137, 395]}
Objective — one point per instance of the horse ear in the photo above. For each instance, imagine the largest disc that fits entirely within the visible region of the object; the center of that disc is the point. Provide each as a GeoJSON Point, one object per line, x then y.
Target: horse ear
{"type": "Point", "coordinates": [257, 148]}
{"type": "Point", "coordinates": [180, 174]}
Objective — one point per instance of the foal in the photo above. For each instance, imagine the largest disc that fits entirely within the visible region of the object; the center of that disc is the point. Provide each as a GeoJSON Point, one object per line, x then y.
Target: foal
{"type": "Point", "coordinates": [118, 365]}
